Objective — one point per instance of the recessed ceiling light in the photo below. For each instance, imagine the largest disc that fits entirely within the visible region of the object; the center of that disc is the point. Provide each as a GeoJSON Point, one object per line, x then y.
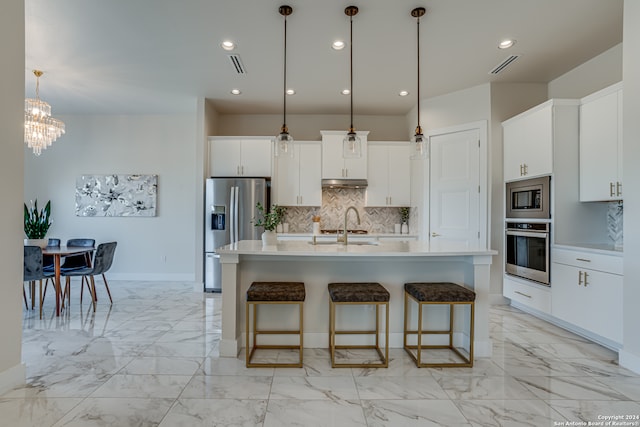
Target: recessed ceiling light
{"type": "Point", "coordinates": [403, 93]}
{"type": "Point", "coordinates": [506, 44]}
{"type": "Point", "coordinates": [338, 45]}
{"type": "Point", "coordinates": [228, 45]}
{"type": "Point", "coordinates": [291, 92]}
{"type": "Point", "coordinates": [345, 91]}
{"type": "Point", "coordinates": [235, 91]}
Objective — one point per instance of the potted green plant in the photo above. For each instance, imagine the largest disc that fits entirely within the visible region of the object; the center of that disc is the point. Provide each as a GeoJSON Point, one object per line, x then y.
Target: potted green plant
{"type": "Point", "coordinates": [37, 223]}
{"type": "Point", "coordinates": [269, 220]}
{"type": "Point", "coordinates": [404, 216]}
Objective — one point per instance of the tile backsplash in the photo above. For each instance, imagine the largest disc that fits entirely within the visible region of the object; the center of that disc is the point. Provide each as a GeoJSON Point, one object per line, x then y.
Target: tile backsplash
{"type": "Point", "coordinates": [614, 224]}
{"type": "Point", "coordinates": [334, 203]}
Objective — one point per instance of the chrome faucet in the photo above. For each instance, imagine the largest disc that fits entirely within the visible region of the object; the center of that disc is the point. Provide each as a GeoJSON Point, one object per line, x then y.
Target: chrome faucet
{"type": "Point", "coordinates": [343, 239]}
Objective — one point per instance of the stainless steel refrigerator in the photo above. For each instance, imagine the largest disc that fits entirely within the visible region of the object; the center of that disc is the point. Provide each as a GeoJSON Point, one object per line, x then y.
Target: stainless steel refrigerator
{"type": "Point", "coordinates": [230, 207]}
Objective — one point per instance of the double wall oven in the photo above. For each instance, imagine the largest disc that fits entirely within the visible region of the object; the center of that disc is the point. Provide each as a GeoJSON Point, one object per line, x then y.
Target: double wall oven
{"type": "Point", "coordinates": [527, 229]}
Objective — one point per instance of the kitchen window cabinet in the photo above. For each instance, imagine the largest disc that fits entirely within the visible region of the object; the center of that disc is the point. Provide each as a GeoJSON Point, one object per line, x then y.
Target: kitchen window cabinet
{"type": "Point", "coordinates": [298, 180]}
{"type": "Point", "coordinates": [587, 291]}
{"type": "Point", "coordinates": [334, 165]}
{"type": "Point", "coordinates": [249, 157]}
{"type": "Point", "coordinates": [388, 174]}
{"type": "Point", "coordinates": [601, 145]}
{"type": "Point", "coordinates": [529, 138]}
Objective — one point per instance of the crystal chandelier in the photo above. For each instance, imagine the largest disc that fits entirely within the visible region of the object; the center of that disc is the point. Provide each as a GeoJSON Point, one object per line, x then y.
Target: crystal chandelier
{"type": "Point", "coordinates": [40, 129]}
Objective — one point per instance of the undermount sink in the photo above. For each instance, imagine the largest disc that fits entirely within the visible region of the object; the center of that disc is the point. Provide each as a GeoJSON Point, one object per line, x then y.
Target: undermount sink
{"type": "Point", "coordinates": [350, 243]}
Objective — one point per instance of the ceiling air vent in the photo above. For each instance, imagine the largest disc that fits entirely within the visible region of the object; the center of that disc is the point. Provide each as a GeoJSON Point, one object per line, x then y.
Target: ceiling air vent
{"type": "Point", "coordinates": [237, 64]}
{"type": "Point", "coordinates": [504, 64]}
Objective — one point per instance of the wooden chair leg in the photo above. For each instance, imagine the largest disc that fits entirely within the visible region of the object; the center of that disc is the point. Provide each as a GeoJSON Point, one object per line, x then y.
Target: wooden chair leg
{"type": "Point", "coordinates": [24, 296]}
{"type": "Point", "coordinates": [106, 285]}
{"type": "Point", "coordinates": [32, 292]}
{"type": "Point", "coordinates": [81, 288]}
{"type": "Point", "coordinates": [41, 298]}
{"type": "Point", "coordinates": [93, 292]}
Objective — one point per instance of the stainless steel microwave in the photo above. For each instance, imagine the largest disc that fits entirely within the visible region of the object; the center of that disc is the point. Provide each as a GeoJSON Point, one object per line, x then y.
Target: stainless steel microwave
{"type": "Point", "coordinates": [529, 198]}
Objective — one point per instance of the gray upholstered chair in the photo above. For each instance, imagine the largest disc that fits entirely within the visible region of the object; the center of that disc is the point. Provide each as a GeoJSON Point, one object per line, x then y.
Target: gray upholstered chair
{"type": "Point", "coordinates": [74, 262]}
{"type": "Point", "coordinates": [33, 271]}
{"type": "Point", "coordinates": [102, 260]}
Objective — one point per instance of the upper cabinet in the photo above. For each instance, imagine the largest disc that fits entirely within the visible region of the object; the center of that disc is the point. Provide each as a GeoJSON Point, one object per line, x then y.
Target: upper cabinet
{"type": "Point", "coordinates": [389, 174]}
{"type": "Point", "coordinates": [601, 145]}
{"type": "Point", "coordinates": [334, 165]}
{"type": "Point", "coordinates": [529, 137]}
{"type": "Point", "coordinates": [298, 179]}
{"type": "Point", "coordinates": [244, 156]}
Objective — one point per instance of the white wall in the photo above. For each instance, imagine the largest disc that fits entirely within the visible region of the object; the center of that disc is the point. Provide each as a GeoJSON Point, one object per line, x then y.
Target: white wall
{"type": "Point", "coordinates": [597, 73]}
{"type": "Point", "coordinates": [164, 145]}
{"type": "Point", "coordinates": [630, 355]}
{"type": "Point", "coordinates": [308, 126]}
{"type": "Point", "coordinates": [12, 372]}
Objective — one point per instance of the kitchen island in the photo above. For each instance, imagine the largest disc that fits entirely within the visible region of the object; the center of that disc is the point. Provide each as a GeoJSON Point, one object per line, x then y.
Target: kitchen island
{"type": "Point", "coordinates": [390, 263]}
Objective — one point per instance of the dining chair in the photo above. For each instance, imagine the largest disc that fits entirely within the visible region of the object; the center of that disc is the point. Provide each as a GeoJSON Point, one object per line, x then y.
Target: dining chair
{"type": "Point", "coordinates": [47, 260]}
{"type": "Point", "coordinates": [73, 262]}
{"type": "Point", "coordinates": [33, 270]}
{"type": "Point", "coordinates": [102, 260]}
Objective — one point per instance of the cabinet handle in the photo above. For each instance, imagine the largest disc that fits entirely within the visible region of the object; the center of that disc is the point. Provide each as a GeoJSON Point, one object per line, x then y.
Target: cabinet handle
{"type": "Point", "coordinates": [586, 275]}
{"type": "Point", "coordinates": [434, 234]}
{"type": "Point", "coordinates": [242, 169]}
{"type": "Point", "coordinates": [390, 202]}
{"type": "Point", "coordinates": [526, 169]}
{"type": "Point", "coordinates": [300, 202]}
{"type": "Point", "coordinates": [618, 188]}
{"type": "Point", "coordinates": [346, 173]}
{"type": "Point", "coordinates": [579, 278]}
{"type": "Point", "coordinates": [237, 170]}
{"type": "Point", "coordinates": [611, 190]}
{"type": "Point", "coordinates": [524, 295]}
{"type": "Point", "coordinates": [521, 170]}
{"type": "Point", "coordinates": [583, 259]}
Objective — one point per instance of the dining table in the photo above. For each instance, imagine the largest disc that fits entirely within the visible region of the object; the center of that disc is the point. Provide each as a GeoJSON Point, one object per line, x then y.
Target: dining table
{"type": "Point", "coordinates": [57, 252]}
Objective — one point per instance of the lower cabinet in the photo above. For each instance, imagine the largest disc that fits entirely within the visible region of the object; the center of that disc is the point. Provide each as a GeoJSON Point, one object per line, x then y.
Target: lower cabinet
{"type": "Point", "coordinates": [529, 294]}
{"type": "Point", "coordinates": [586, 291]}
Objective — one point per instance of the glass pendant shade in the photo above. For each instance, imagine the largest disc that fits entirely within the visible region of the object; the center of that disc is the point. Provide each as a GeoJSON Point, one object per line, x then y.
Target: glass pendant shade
{"type": "Point", "coordinates": [40, 129]}
{"type": "Point", "coordinates": [351, 146]}
{"type": "Point", "coordinates": [284, 144]}
{"type": "Point", "coordinates": [419, 146]}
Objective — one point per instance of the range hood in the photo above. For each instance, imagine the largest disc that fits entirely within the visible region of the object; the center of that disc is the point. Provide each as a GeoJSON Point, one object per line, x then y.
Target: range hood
{"type": "Point", "coordinates": [344, 183]}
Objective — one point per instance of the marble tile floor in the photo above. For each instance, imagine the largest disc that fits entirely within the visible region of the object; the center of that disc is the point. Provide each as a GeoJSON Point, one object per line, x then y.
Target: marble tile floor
{"type": "Point", "coordinates": [151, 359]}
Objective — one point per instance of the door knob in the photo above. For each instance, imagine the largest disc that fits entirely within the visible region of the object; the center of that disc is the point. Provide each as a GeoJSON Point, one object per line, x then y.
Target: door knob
{"type": "Point", "coordinates": [434, 234]}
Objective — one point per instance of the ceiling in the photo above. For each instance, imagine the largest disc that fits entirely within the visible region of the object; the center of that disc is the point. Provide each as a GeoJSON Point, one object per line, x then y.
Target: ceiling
{"type": "Point", "coordinates": [159, 56]}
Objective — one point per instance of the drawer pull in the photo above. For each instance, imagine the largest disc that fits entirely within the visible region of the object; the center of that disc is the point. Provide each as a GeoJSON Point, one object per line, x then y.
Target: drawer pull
{"type": "Point", "coordinates": [583, 259]}
{"type": "Point", "coordinates": [524, 295]}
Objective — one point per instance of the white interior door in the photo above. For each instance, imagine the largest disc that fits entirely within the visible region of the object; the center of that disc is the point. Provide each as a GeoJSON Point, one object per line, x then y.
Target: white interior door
{"type": "Point", "coordinates": [455, 186]}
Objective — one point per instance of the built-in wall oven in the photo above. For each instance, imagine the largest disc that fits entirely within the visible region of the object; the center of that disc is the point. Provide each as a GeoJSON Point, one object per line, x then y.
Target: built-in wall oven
{"type": "Point", "coordinates": [529, 198]}
{"type": "Point", "coordinates": [527, 250]}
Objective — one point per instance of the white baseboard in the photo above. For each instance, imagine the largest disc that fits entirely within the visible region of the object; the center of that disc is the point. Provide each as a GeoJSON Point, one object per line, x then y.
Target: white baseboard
{"type": "Point", "coordinates": [630, 361]}
{"type": "Point", "coordinates": [12, 378]}
{"type": "Point", "coordinates": [156, 277]}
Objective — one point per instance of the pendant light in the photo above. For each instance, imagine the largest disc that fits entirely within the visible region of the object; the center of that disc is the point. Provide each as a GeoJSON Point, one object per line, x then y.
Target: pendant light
{"type": "Point", "coordinates": [284, 141]}
{"type": "Point", "coordinates": [419, 146]}
{"type": "Point", "coordinates": [40, 129]}
{"type": "Point", "coordinates": [351, 144]}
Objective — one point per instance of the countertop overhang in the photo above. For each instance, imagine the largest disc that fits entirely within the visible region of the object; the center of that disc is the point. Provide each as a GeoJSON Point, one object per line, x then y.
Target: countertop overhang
{"type": "Point", "coordinates": [382, 249]}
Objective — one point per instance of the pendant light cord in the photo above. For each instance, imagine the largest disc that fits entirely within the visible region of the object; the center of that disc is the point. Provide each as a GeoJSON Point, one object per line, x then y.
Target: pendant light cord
{"type": "Point", "coordinates": [284, 89]}
{"type": "Point", "coordinates": [418, 44]}
{"type": "Point", "coordinates": [351, 68]}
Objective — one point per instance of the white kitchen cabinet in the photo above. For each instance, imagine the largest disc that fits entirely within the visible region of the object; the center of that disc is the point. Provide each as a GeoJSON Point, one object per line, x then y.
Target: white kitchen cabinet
{"type": "Point", "coordinates": [243, 156]}
{"type": "Point", "coordinates": [529, 138]}
{"type": "Point", "coordinates": [334, 165]}
{"type": "Point", "coordinates": [532, 295]}
{"type": "Point", "coordinates": [601, 145]}
{"type": "Point", "coordinates": [586, 291]}
{"type": "Point", "coordinates": [298, 180]}
{"type": "Point", "coordinates": [388, 174]}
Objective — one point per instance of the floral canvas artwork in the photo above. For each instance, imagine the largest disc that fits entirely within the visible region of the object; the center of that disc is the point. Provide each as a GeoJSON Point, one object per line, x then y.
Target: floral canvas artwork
{"type": "Point", "coordinates": [116, 195]}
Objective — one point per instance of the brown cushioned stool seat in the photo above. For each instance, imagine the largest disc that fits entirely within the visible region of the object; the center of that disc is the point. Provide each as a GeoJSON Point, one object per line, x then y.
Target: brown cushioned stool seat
{"type": "Point", "coordinates": [273, 293]}
{"type": "Point", "coordinates": [366, 293]}
{"type": "Point", "coordinates": [439, 293]}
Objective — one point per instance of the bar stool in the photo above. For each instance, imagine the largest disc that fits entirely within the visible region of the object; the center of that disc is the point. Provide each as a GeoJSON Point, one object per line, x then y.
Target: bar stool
{"type": "Point", "coordinates": [431, 294]}
{"type": "Point", "coordinates": [359, 294]}
{"type": "Point", "coordinates": [273, 293]}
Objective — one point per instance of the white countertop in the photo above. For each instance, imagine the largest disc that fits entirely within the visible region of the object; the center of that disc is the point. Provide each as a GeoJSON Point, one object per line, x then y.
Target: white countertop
{"type": "Point", "coordinates": [351, 235]}
{"type": "Point", "coordinates": [382, 249]}
{"type": "Point", "coordinates": [602, 248]}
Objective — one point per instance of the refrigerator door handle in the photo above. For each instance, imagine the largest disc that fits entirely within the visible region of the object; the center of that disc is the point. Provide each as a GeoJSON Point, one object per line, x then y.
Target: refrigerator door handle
{"type": "Point", "coordinates": [237, 216]}
{"type": "Point", "coordinates": [232, 214]}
